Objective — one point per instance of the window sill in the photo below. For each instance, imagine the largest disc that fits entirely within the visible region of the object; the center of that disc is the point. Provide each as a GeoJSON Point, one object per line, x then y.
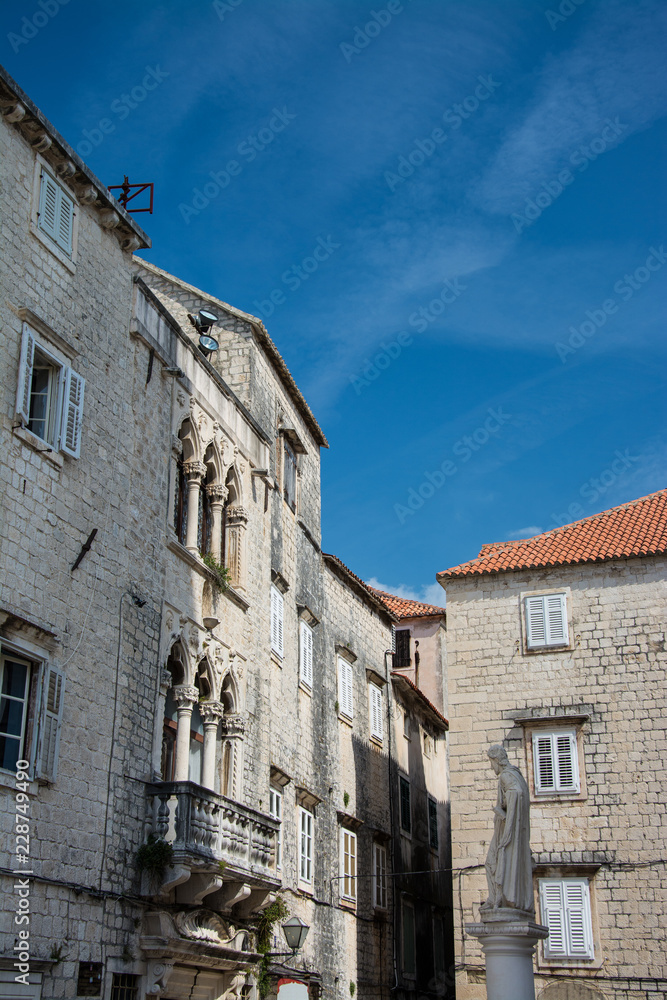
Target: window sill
{"type": "Point", "coordinates": [68, 262]}
{"type": "Point", "coordinates": [348, 904]}
{"type": "Point", "coordinates": [277, 658]}
{"type": "Point", "coordinates": [8, 780]}
{"type": "Point", "coordinates": [346, 720]}
{"type": "Point", "coordinates": [305, 688]}
{"type": "Point", "coordinates": [306, 888]}
{"type": "Point", "coordinates": [376, 741]}
{"type": "Point", "coordinates": [40, 446]}
{"type": "Point", "coordinates": [536, 650]}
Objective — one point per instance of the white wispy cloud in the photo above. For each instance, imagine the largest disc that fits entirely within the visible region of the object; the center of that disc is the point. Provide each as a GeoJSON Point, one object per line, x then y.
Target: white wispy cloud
{"type": "Point", "coordinates": [532, 529]}
{"type": "Point", "coordinates": [428, 593]}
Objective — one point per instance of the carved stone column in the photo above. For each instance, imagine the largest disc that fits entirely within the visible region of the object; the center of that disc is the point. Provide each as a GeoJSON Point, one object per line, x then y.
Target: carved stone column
{"type": "Point", "coordinates": [217, 494]}
{"type": "Point", "coordinates": [185, 697]}
{"type": "Point", "coordinates": [233, 728]}
{"type": "Point", "coordinates": [211, 713]}
{"type": "Point", "coordinates": [237, 520]}
{"type": "Point", "coordinates": [194, 473]}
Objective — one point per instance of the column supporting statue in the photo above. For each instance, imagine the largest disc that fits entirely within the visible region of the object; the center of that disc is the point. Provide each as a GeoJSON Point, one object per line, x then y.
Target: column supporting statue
{"type": "Point", "coordinates": [507, 930]}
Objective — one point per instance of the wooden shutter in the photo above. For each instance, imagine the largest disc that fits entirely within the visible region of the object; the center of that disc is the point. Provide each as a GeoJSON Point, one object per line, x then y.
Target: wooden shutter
{"type": "Point", "coordinates": [555, 762]}
{"type": "Point", "coordinates": [565, 745]}
{"type": "Point", "coordinates": [70, 430]}
{"type": "Point", "coordinates": [556, 619]}
{"type": "Point", "coordinates": [306, 654]}
{"type": "Point", "coordinates": [379, 872]}
{"type": "Point", "coordinates": [377, 722]}
{"type": "Point", "coordinates": [50, 722]}
{"type": "Point", "coordinates": [543, 762]}
{"type": "Point", "coordinates": [346, 699]}
{"type": "Point", "coordinates": [306, 852]}
{"type": "Point", "coordinates": [276, 621]}
{"type": "Point", "coordinates": [349, 863]}
{"type": "Point", "coordinates": [25, 374]}
{"type": "Point", "coordinates": [535, 622]}
{"type": "Point", "coordinates": [65, 221]}
{"type": "Point", "coordinates": [48, 206]}
{"type": "Point", "coordinates": [565, 906]}
{"type": "Point", "coordinates": [553, 915]}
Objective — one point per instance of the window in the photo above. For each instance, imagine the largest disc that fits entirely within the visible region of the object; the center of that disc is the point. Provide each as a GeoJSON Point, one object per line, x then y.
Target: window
{"type": "Point", "coordinates": [306, 654]}
{"type": "Point", "coordinates": [49, 400]}
{"type": "Point", "coordinates": [428, 744]}
{"type": "Point", "coordinates": [432, 823]}
{"type": "Point", "coordinates": [376, 706]}
{"type": "Point", "coordinates": [125, 986]}
{"type": "Point", "coordinates": [402, 654]}
{"type": "Point", "coordinates": [181, 504]}
{"type": "Point", "coordinates": [345, 688]}
{"type": "Point", "coordinates": [409, 950]}
{"type": "Point", "coordinates": [348, 864]}
{"type": "Point", "coordinates": [406, 725]}
{"type": "Point", "coordinates": [31, 707]}
{"type": "Point", "coordinates": [404, 796]}
{"type": "Point", "coordinates": [56, 212]}
{"type": "Point", "coordinates": [276, 810]}
{"type": "Point", "coordinates": [305, 845]}
{"type": "Point", "coordinates": [555, 762]}
{"type": "Point", "coordinates": [546, 621]}
{"type": "Point", "coordinates": [204, 520]}
{"type": "Point", "coordinates": [89, 982]}
{"type": "Point", "coordinates": [289, 474]}
{"type": "Point", "coordinates": [380, 876]}
{"type": "Point", "coordinates": [276, 621]}
{"type": "Point", "coordinates": [438, 947]}
{"type": "Point", "coordinates": [566, 911]}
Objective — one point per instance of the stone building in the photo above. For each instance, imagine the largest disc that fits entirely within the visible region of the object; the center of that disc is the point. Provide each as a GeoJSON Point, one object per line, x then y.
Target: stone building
{"type": "Point", "coordinates": [200, 699]}
{"type": "Point", "coordinates": [556, 650]}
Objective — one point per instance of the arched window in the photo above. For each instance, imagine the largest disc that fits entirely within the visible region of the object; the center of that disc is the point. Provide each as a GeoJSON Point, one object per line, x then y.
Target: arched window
{"type": "Point", "coordinates": [176, 669]}
{"type": "Point", "coordinates": [204, 521]}
{"type": "Point", "coordinates": [181, 504]}
{"type": "Point", "coordinates": [197, 726]}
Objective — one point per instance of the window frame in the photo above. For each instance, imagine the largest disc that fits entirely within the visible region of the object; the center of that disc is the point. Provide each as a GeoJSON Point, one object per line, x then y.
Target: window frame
{"type": "Point", "coordinates": [348, 865]}
{"type": "Point", "coordinates": [345, 688]}
{"type": "Point", "coordinates": [277, 622]}
{"type": "Point", "coordinates": [379, 876]}
{"type": "Point", "coordinates": [42, 715]}
{"type": "Point", "coordinates": [306, 654]}
{"type": "Point", "coordinates": [276, 811]}
{"type": "Point", "coordinates": [401, 659]}
{"type": "Point", "coordinates": [557, 787]}
{"type": "Point", "coordinates": [66, 395]}
{"type": "Point", "coordinates": [560, 924]}
{"type": "Point", "coordinates": [290, 474]}
{"type": "Point", "coordinates": [412, 972]}
{"type": "Point", "coordinates": [306, 840]}
{"type": "Point", "coordinates": [62, 243]}
{"type": "Point", "coordinates": [376, 711]}
{"type": "Point", "coordinates": [555, 633]}
{"type": "Point", "coordinates": [433, 832]}
{"type": "Point", "coordinates": [404, 786]}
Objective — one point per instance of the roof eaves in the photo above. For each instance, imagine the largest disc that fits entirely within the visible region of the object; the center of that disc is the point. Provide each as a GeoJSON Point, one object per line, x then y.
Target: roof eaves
{"type": "Point", "coordinates": [358, 585]}
{"type": "Point", "coordinates": [399, 678]}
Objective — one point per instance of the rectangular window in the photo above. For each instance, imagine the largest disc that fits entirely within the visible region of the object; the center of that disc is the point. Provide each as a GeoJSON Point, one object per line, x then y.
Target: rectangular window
{"type": "Point", "coordinates": [56, 212]}
{"type": "Point", "coordinates": [305, 845]}
{"type": "Point", "coordinates": [432, 822]}
{"type": "Point", "coordinates": [376, 708]}
{"type": "Point", "coordinates": [566, 911]}
{"type": "Point", "coordinates": [409, 950]}
{"type": "Point", "coordinates": [31, 708]}
{"type": "Point", "coordinates": [555, 762]}
{"type": "Point", "coordinates": [345, 688]}
{"type": "Point", "coordinates": [406, 816]}
{"type": "Point", "coordinates": [124, 986]}
{"type": "Point", "coordinates": [289, 475]}
{"type": "Point", "coordinates": [89, 981]}
{"type": "Point", "coordinates": [380, 876]}
{"type": "Point", "coordinates": [546, 621]}
{"type": "Point", "coordinates": [348, 864]}
{"type": "Point", "coordinates": [438, 947]}
{"type": "Point", "coordinates": [402, 654]}
{"type": "Point", "coordinates": [277, 604]}
{"type": "Point", "coordinates": [276, 810]}
{"type": "Point", "coordinates": [15, 689]}
{"type": "Point", "coordinates": [49, 399]}
{"type": "Point", "coordinates": [306, 654]}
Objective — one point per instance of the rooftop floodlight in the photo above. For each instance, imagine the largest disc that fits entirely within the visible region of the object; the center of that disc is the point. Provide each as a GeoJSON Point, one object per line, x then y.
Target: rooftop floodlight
{"type": "Point", "coordinates": [202, 323]}
{"type": "Point", "coordinates": [206, 320]}
{"type": "Point", "coordinates": [295, 931]}
{"type": "Point", "coordinates": [207, 344]}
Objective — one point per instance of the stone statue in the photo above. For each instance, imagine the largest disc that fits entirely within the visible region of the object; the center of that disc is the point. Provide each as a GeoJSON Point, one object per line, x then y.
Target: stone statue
{"type": "Point", "coordinates": [508, 862]}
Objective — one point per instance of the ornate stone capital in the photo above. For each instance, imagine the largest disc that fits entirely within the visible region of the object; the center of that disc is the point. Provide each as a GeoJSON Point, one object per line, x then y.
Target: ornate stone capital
{"type": "Point", "coordinates": [165, 679]}
{"type": "Point", "coordinates": [185, 695]}
{"type": "Point", "coordinates": [194, 470]}
{"type": "Point", "coordinates": [233, 725]}
{"type": "Point", "coordinates": [217, 493]}
{"type": "Point", "coordinates": [237, 515]}
{"type": "Point", "coordinates": [211, 711]}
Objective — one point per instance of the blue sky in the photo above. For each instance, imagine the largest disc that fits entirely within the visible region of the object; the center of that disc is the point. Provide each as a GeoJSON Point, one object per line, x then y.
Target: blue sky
{"type": "Point", "coordinates": [483, 343]}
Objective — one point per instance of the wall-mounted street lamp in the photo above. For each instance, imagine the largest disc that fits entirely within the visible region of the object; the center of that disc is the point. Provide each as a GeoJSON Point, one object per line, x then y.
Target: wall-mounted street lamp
{"type": "Point", "coordinates": [202, 323]}
{"type": "Point", "coordinates": [295, 931]}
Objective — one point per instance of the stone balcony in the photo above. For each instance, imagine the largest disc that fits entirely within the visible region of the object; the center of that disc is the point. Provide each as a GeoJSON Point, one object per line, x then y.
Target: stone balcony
{"type": "Point", "coordinates": [204, 829]}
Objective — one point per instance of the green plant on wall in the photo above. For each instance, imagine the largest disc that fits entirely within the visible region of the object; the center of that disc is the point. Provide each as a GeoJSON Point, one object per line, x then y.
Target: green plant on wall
{"type": "Point", "coordinates": [353, 988]}
{"type": "Point", "coordinates": [346, 799]}
{"type": "Point", "coordinates": [275, 911]}
{"type": "Point", "coordinates": [155, 856]}
{"type": "Point", "coordinates": [221, 573]}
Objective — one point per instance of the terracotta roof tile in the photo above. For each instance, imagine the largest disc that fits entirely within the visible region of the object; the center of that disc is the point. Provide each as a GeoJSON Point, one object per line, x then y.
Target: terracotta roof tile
{"type": "Point", "coordinates": [404, 608]}
{"type": "Point", "coordinates": [638, 528]}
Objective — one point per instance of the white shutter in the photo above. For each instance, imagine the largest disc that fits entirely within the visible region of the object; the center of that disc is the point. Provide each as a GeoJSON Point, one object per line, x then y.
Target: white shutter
{"type": "Point", "coordinates": [276, 621]}
{"type": "Point", "coordinates": [349, 864]}
{"type": "Point", "coordinates": [543, 762]}
{"type": "Point", "coordinates": [65, 219]}
{"type": "Point", "coordinates": [306, 654]}
{"type": "Point", "coordinates": [555, 762]}
{"type": "Point", "coordinates": [48, 206]}
{"type": "Point", "coordinates": [553, 915]}
{"type": "Point", "coordinates": [377, 727]}
{"type": "Point", "coordinates": [50, 723]}
{"type": "Point", "coordinates": [535, 622]}
{"type": "Point", "coordinates": [565, 745]}
{"type": "Point", "coordinates": [379, 872]}
{"type": "Point", "coordinates": [25, 374]}
{"type": "Point", "coordinates": [306, 851]}
{"type": "Point", "coordinates": [346, 700]}
{"type": "Point", "coordinates": [556, 618]}
{"type": "Point", "coordinates": [70, 427]}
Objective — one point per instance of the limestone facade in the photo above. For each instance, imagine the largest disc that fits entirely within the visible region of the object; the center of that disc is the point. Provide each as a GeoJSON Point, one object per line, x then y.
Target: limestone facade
{"type": "Point", "coordinates": [182, 664]}
{"type": "Point", "coordinates": [603, 690]}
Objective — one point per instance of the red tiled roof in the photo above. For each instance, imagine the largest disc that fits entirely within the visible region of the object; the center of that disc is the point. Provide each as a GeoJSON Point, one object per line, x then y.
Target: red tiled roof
{"type": "Point", "coordinates": [404, 608]}
{"type": "Point", "coordinates": [638, 528]}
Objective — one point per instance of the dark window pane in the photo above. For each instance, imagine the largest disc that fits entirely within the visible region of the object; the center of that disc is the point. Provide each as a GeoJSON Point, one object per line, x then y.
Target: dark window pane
{"type": "Point", "coordinates": [402, 654]}
{"type": "Point", "coordinates": [405, 804]}
{"type": "Point", "coordinates": [11, 717]}
{"type": "Point", "coordinates": [9, 752]}
{"type": "Point", "coordinates": [290, 476]}
{"type": "Point", "coordinates": [14, 678]}
{"type": "Point", "coordinates": [409, 958]}
{"type": "Point", "coordinates": [432, 823]}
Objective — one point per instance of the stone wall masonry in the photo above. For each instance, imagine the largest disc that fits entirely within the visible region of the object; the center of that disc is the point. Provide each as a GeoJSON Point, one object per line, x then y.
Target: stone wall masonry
{"type": "Point", "coordinates": [612, 673]}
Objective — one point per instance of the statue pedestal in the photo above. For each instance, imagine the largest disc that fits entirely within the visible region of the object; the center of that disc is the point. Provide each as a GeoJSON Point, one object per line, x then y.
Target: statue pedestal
{"type": "Point", "coordinates": [508, 938]}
